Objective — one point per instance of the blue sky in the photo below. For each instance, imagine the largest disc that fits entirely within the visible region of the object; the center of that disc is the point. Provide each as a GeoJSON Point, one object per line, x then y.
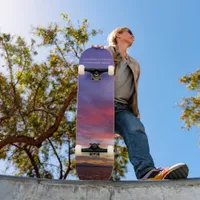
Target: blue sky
{"type": "Point", "coordinates": [166, 46]}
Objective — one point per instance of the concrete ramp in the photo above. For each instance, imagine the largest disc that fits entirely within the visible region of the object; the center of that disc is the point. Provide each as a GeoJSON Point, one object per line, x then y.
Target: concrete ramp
{"type": "Point", "coordinates": [18, 188]}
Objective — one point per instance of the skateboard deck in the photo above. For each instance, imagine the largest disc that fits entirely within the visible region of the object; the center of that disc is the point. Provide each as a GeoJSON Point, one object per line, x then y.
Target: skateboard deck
{"type": "Point", "coordinates": [95, 115]}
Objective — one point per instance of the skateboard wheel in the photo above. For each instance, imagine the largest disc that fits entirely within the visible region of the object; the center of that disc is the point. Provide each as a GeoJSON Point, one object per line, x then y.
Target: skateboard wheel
{"type": "Point", "coordinates": [78, 150]}
{"type": "Point", "coordinates": [110, 150]}
{"type": "Point", "coordinates": [81, 69]}
{"type": "Point", "coordinates": [111, 70]}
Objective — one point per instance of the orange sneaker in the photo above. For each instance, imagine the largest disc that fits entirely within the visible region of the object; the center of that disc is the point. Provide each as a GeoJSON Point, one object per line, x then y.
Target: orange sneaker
{"type": "Point", "coordinates": [178, 171]}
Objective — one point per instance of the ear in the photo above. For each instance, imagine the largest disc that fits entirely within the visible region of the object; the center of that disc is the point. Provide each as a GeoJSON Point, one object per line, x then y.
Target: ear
{"type": "Point", "coordinates": [117, 35]}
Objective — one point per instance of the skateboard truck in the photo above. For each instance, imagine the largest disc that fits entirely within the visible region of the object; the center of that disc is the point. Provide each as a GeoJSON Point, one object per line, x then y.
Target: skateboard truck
{"type": "Point", "coordinates": [94, 147]}
{"type": "Point", "coordinates": [96, 73]}
{"type": "Point", "coordinates": [94, 150]}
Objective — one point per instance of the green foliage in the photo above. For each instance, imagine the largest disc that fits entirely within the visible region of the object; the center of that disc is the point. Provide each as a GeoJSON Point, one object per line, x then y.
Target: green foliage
{"type": "Point", "coordinates": [121, 160]}
{"type": "Point", "coordinates": [191, 105]}
{"type": "Point", "coordinates": [36, 137]}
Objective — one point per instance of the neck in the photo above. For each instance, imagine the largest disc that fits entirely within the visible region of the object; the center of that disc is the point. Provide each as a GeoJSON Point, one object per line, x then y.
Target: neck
{"type": "Point", "coordinates": [122, 47]}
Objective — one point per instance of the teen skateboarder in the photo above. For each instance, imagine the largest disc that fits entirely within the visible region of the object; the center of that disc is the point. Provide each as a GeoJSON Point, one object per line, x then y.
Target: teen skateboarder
{"type": "Point", "coordinates": [127, 116]}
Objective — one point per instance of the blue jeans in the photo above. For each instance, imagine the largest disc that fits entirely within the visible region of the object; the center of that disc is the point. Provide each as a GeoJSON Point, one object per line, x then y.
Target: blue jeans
{"type": "Point", "coordinates": [133, 132]}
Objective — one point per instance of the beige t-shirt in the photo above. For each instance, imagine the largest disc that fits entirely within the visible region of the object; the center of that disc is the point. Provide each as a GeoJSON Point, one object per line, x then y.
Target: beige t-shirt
{"type": "Point", "coordinates": [124, 84]}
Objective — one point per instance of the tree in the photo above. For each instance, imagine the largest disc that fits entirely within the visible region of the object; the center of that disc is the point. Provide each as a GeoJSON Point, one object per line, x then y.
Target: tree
{"type": "Point", "coordinates": [37, 98]}
{"type": "Point", "coordinates": [191, 105]}
{"type": "Point", "coordinates": [121, 160]}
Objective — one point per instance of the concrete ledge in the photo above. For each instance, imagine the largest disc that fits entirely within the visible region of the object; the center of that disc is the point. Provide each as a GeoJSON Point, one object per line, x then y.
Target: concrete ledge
{"type": "Point", "coordinates": [19, 188]}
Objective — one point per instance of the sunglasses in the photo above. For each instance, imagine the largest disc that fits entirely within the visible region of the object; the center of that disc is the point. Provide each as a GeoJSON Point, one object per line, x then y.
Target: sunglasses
{"type": "Point", "coordinates": [130, 32]}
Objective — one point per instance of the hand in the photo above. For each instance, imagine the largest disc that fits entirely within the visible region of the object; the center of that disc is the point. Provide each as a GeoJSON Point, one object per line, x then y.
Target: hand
{"type": "Point", "coordinates": [116, 135]}
{"type": "Point", "coordinates": [97, 46]}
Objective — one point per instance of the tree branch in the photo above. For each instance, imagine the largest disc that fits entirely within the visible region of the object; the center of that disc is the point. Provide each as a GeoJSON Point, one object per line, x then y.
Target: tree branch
{"type": "Point", "coordinates": [32, 162]}
{"type": "Point", "coordinates": [31, 159]}
{"type": "Point", "coordinates": [60, 163]}
{"type": "Point", "coordinates": [4, 117]}
{"type": "Point", "coordinates": [69, 161]}
{"type": "Point", "coordinates": [21, 139]}
{"type": "Point", "coordinates": [63, 57]}
{"type": "Point", "coordinates": [58, 120]}
{"type": "Point", "coordinates": [38, 142]}
{"type": "Point", "coordinates": [34, 99]}
{"type": "Point", "coordinates": [76, 54]}
{"type": "Point", "coordinates": [13, 86]}
{"type": "Point", "coordinates": [46, 111]}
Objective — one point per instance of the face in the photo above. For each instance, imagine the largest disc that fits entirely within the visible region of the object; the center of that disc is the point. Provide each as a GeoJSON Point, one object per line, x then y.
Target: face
{"type": "Point", "coordinates": [126, 37]}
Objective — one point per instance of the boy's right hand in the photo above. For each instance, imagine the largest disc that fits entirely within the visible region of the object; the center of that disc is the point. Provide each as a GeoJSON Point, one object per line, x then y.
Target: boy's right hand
{"type": "Point", "coordinates": [116, 135]}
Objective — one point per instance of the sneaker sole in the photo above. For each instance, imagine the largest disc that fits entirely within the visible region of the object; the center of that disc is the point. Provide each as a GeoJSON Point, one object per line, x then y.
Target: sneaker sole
{"type": "Point", "coordinates": [179, 171]}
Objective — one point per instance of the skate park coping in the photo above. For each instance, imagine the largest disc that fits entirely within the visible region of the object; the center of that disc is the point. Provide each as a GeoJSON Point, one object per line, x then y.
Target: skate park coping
{"type": "Point", "coordinates": [21, 188]}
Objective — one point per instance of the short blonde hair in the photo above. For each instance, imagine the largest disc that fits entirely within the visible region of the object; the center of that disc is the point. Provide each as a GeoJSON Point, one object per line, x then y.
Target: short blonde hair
{"type": "Point", "coordinates": [112, 40]}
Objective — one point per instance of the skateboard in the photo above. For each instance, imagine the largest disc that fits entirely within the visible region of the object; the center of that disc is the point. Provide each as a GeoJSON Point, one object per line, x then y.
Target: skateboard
{"type": "Point", "coordinates": [94, 149]}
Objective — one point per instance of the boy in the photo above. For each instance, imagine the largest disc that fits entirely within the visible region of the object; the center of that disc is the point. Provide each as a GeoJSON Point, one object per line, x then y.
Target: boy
{"type": "Point", "coordinates": [127, 116]}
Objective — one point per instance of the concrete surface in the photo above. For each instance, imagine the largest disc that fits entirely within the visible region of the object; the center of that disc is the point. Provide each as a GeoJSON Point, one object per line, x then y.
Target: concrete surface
{"type": "Point", "coordinates": [18, 188]}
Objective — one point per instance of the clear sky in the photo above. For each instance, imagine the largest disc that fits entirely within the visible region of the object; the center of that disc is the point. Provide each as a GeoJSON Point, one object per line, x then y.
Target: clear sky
{"type": "Point", "coordinates": [166, 46]}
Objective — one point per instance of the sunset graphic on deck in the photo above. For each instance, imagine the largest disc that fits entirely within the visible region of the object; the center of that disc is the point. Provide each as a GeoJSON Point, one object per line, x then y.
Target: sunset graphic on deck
{"type": "Point", "coordinates": [95, 117]}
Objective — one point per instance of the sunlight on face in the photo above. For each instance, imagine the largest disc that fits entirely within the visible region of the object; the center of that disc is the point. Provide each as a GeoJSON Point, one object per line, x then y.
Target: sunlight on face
{"type": "Point", "coordinates": [127, 37]}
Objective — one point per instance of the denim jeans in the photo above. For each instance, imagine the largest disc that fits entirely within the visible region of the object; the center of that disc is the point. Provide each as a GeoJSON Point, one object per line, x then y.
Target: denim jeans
{"type": "Point", "coordinates": [133, 132]}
